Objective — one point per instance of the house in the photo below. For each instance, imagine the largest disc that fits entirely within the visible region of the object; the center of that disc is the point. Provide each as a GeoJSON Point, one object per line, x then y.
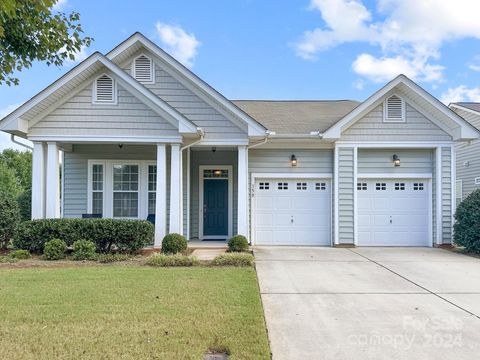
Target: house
{"type": "Point", "coordinates": [142, 135]}
{"type": "Point", "coordinates": [467, 164]}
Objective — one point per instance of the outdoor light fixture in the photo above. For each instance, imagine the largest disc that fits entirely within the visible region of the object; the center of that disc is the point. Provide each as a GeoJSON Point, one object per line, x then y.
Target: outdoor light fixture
{"type": "Point", "coordinates": [217, 172]}
{"type": "Point", "coordinates": [293, 160]}
{"type": "Point", "coordinates": [396, 160]}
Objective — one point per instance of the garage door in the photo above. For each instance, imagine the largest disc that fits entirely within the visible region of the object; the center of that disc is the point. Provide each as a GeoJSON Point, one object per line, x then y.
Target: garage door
{"type": "Point", "coordinates": [292, 212]}
{"type": "Point", "coordinates": [393, 212]}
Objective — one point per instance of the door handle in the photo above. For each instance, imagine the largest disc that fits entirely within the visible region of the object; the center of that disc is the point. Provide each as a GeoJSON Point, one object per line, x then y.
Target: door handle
{"type": "Point", "coordinates": [391, 220]}
{"type": "Point", "coordinates": [204, 211]}
{"type": "Point", "coordinates": [291, 219]}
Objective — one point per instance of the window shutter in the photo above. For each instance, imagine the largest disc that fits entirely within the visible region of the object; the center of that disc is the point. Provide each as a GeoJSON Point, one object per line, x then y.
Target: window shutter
{"type": "Point", "coordinates": [104, 89]}
{"type": "Point", "coordinates": [394, 109]}
{"type": "Point", "coordinates": [143, 69]}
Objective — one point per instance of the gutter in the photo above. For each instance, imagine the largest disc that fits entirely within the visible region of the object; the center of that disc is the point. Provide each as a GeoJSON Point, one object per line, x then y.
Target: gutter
{"type": "Point", "coordinates": [12, 137]}
{"type": "Point", "coordinates": [265, 140]}
{"type": "Point", "coordinates": [311, 135]}
{"type": "Point", "coordinates": [202, 136]}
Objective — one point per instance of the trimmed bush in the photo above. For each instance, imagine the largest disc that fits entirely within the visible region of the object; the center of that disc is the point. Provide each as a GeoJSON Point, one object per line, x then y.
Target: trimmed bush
{"type": "Point", "coordinates": [233, 259]}
{"type": "Point", "coordinates": [20, 254]}
{"type": "Point", "coordinates": [9, 218]}
{"type": "Point", "coordinates": [107, 234]}
{"type": "Point", "coordinates": [108, 258]}
{"type": "Point", "coordinates": [25, 204]}
{"type": "Point", "coordinates": [238, 243]}
{"type": "Point", "coordinates": [54, 249]}
{"type": "Point", "coordinates": [466, 231]}
{"type": "Point", "coordinates": [163, 260]}
{"type": "Point", "coordinates": [84, 250]}
{"type": "Point", "coordinates": [174, 244]}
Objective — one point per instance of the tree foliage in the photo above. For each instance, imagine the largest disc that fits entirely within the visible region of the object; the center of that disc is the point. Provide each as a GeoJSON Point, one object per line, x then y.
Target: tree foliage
{"type": "Point", "coordinates": [21, 163]}
{"type": "Point", "coordinates": [30, 30]}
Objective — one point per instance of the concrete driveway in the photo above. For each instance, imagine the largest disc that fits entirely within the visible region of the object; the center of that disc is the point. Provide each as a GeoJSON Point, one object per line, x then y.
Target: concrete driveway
{"type": "Point", "coordinates": [370, 303]}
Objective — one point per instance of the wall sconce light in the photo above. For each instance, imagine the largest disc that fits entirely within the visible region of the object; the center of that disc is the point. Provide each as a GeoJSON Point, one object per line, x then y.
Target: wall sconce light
{"type": "Point", "coordinates": [120, 146]}
{"type": "Point", "coordinates": [214, 148]}
{"type": "Point", "coordinates": [396, 160]}
{"type": "Point", "coordinates": [293, 160]}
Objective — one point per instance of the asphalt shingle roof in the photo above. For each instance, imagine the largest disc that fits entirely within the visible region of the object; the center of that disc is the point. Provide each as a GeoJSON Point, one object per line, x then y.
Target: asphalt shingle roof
{"type": "Point", "coordinates": [475, 106]}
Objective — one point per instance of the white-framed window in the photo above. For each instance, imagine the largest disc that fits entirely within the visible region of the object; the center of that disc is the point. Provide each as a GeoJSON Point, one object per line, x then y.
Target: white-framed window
{"type": "Point", "coordinates": [381, 186]}
{"type": "Point", "coordinates": [458, 191]}
{"type": "Point", "coordinates": [418, 186]}
{"type": "Point", "coordinates": [104, 90]}
{"type": "Point", "coordinates": [399, 186]}
{"type": "Point", "coordinates": [362, 186]}
{"type": "Point", "coordinates": [143, 69]}
{"type": "Point", "coordinates": [321, 186]}
{"type": "Point", "coordinates": [264, 186]}
{"type": "Point", "coordinates": [394, 109]}
{"type": "Point", "coordinates": [282, 186]}
{"type": "Point", "coordinates": [122, 188]}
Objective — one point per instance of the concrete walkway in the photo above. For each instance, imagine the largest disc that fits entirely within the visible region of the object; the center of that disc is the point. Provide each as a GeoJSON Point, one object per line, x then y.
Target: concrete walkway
{"type": "Point", "coordinates": [370, 303]}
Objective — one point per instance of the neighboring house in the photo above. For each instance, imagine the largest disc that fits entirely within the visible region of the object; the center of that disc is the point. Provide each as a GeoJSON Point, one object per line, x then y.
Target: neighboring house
{"type": "Point", "coordinates": [140, 135]}
{"type": "Point", "coordinates": [468, 163]}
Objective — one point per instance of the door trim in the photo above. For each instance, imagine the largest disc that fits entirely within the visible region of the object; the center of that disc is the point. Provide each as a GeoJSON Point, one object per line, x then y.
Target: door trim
{"type": "Point", "coordinates": [201, 168]}
{"type": "Point", "coordinates": [256, 176]}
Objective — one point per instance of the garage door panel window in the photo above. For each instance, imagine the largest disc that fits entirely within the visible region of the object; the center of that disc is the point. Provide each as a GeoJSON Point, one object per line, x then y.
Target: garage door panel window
{"type": "Point", "coordinates": [418, 186]}
{"type": "Point", "coordinates": [301, 186]}
{"type": "Point", "coordinates": [381, 186]}
{"type": "Point", "coordinates": [399, 186]}
{"type": "Point", "coordinates": [320, 186]}
{"type": "Point", "coordinates": [362, 186]}
{"type": "Point", "coordinates": [282, 186]}
{"type": "Point", "coordinates": [264, 186]}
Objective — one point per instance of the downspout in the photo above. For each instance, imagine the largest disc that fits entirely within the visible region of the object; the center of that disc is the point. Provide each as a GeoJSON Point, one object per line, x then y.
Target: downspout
{"type": "Point", "coordinates": [202, 136]}
{"type": "Point", "coordinates": [12, 137]}
{"type": "Point", "coordinates": [264, 141]}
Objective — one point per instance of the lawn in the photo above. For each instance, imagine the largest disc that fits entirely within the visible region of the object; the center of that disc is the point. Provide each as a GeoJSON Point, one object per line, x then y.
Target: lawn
{"type": "Point", "coordinates": [130, 312]}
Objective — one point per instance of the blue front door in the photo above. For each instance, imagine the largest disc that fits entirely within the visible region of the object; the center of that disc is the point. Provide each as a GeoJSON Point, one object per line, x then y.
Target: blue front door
{"type": "Point", "coordinates": [215, 207]}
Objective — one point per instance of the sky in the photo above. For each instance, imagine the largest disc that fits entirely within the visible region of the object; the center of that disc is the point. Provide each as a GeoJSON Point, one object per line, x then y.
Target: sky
{"type": "Point", "coordinates": [288, 49]}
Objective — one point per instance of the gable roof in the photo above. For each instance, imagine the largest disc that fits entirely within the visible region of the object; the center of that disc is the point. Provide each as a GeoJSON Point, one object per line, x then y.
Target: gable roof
{"type": "Point", "coordinates": [137, 40]}
{"type": "Point", "coordinates": [438, 112]}
{"type": "Point", "coordinates": [474, 106]}
{"type": "Point", "coordinates": [296, 117]}
{"type": "Point", "coordinates": [46, 100]}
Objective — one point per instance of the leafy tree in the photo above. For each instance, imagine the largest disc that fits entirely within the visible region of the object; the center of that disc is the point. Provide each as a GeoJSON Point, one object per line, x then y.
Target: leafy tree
{"type": "Point", "coordinates": [9, 184]}
{"type": "Point", "coordinates": [21, 163]}
{"type": "Point", "coordinates": [30, 31]}
{"type": "Point", "coordinates": [9, 218]}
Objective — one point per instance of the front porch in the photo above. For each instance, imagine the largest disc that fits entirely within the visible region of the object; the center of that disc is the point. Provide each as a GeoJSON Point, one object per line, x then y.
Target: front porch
{"type": "Point", "coordinates": [200, 192]}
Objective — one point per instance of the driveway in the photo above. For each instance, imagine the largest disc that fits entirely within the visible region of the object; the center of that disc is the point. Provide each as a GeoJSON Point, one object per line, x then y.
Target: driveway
{"type": "Point", "coordinates": [370, 303]}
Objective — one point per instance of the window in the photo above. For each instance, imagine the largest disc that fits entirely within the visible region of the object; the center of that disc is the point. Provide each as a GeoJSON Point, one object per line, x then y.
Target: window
{"type": "Point", "coordinates": [394, 109]}
{"type": "Point", "coordinates": [282, 186]}
{"type": "Point", "coordinates": [104, 91]}
{"type": "Point", "coordinates": [381, 186]}
{"type": "Point", "coordinates": [143, 69]}
{"type": "Point", "coordinates": [264, 186]}
{"type": "Point", "coordinates": [361, 186]}
{"type": "Point", "coordinates": [399, 186]}
{"type": "Point", "coordinates": [215, 173]}
{"type": "Point", "coordinates": [152, 188]}
{"type": "Point", "coordinates": [97, 188]}
{"type": "Point", "coordinates": [458, 191]}
{"type": "Point", "coordinates": [125, 191]}
{"type": "Point", "coordinates": [417, 186]}
{"type": "Point", "coordinates": [302, 186]}
{"type": "Point", "coordinates": [320, 186]}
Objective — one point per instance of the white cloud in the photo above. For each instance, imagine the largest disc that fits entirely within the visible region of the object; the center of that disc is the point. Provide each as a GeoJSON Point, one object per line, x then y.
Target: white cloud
{"type": "Point", "coordinates": [359, 84]}
{"type": "Point", "coordinates": [461, 93]}
{"type": "Point", "coordinates": [59, 5]}
{"type": "Point", "coordinates": [5, 142]}
{"type": "Point", "coordinates": [475, 64]}
{"type": "Point", "coordinates": [180, 44]}
{"type": "Point", "coordinates": [409, 33]}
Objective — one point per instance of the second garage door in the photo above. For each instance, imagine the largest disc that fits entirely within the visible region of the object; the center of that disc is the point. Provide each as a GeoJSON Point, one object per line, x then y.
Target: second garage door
{"type": "Point", "coordinates": [394, 212]}
{"type": "Point", "coordinates": [292, 211]}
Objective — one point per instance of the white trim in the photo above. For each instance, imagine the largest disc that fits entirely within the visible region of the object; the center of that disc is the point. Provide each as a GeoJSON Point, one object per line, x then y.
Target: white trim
{"type": "Point", "coordinates": [52, 193]}
{"type": "Point", "coordinates": [355, 210]}
{"type": "Point", "coordinates": [152, 69]}
{"type": "Point", "coordinates": [39, 161]}
{"type": "Point", "coordinates": [201, 168]}
{"type": "Point", "coordinates": [438, 193]}
{"type": "Point", "coordinates": [91, 163]}
{"type": "Point", "coordinates": [453, 196]}
{"type": "Point", "coordinates": [461, 189]}
{"type": "Point", "coordinates": [335, 202]}
{"type": "Point", "coordinates": [188, 194]}
{"type": "Point", "coordinates": [391, 144]}
{"type": "Point", "coordinates": [106, 139]}
{"type": "Point", "coordinates": [242, 191]}
{"type": "Point", "coordinates": [176, 223]}
{"type": "Point", "coordinates": [220, 142]}
{"type": "Point", "coordinates": [256, 176]}
{"type": "Point", "coordinates": [394, 176]}
{"type": "Point", "coordinates": [114, 100]}
{"type": "Point", "coordinates": [161, 196]}
{"type": "Point", "coordinates": [62, 185]}
{"type": "Point", "coordinates": [464, 108]}
{"type": "Point", "coordinates": [386, 119]}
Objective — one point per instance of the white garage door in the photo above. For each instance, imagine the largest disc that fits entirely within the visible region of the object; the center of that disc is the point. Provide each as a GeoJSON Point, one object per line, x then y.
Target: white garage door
{"type": "Point", "coordinates": [393, 212]}
{"type": "Point", "coordinates": [292, 212]}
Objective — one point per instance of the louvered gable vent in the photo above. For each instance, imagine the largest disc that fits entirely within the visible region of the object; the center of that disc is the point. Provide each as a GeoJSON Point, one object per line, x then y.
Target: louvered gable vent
{"type": "Point", "coordinates": [394, 109]}
{"type": "Point", "coordinates": [104, 89]}
{"type": "Point", "coordinates": [143, 70]}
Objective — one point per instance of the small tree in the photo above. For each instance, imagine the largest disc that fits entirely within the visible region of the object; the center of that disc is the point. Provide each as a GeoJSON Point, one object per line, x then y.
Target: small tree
{"type": "Point", "coordinates": [9, 218]}
{"type": "Point", "coordinates": [467, 224]}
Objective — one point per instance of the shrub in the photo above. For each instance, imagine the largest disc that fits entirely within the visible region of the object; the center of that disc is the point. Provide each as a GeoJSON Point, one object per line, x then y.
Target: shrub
{"type": "Point", "coordinates": [84, 250]}
{"type": "Point", "coordinates": [238, 243]}
{"type": "Point", "coordinates": [233, 260]}
{"type": "Point", "coordinates": [171, 260]}
{"type": "Point", "coordinates": [7, 259]}
{"type": "Point", "coordinates": [107, 234]}
{"type": "Point", "coordinates": [9, 218]}
{"type": "Point", "coordinates": [174, 244]}
{"type": "Point", "coordinates": [20, 254]}
{"type": "Point", "coordinates": [54, 249]}
{"type": "Point", "coordinates": [25, 204]}
{"type": "Point", "coordinates": [466, 231]}
{"type": "Point", "coordinates": [108, 258]}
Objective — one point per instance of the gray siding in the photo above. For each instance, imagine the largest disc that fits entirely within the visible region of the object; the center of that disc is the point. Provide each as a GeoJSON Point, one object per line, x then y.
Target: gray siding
{"type": "Point", "coordinates": [416, 127]}
{"type": "Point", "coordinates": [176, 94]}
{"type": "Point", "coordinates": [345, 195]}
{"type": "Point", "coordinates": [78, 116]}
{"type": "Point", "coordinates": [207, 157]}
{"type": "Point", "coordinates": [278, 161]}
{"type": "Point", "coordinates": [446, 196]}
{"type": "Point", "coordinates": [380, 161]}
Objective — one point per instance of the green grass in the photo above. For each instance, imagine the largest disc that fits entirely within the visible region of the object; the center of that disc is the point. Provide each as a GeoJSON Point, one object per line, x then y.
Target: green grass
{"type": "Point", "coordinates": [132, 312]}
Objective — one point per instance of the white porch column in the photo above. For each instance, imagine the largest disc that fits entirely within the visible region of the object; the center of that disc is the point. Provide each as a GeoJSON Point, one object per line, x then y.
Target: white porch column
{"type": "Point", "coordinates": [38, 180]}
{"type": "Point", "coordinates": [161, 196]}
{"type": "Point", "coordinates": [175, 190]}
{"type": "Point", "coordinates": [52, 198]}
{"type": "Point", "coordinates": [242, 220]}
